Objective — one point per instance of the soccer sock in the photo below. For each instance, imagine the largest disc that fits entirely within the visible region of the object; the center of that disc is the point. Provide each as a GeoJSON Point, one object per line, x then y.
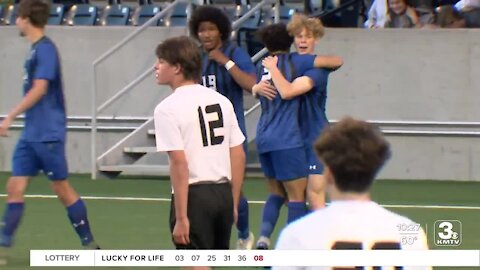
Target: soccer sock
{"type": "Point", "coordinates": [77, 213]}
{"type": "Point", "coordinates": [242, 221]}
{"type": "Point", "coordinates": [11, 220]}
{"type": "Point", "coordinates": [296, 210]}
{"type": "Point", "coordinates": [271, 210]}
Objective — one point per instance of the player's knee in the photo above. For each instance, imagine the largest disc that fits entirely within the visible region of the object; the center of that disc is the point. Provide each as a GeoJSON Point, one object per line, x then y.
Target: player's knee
{"type": "Point", "coordinates": [16, 187]}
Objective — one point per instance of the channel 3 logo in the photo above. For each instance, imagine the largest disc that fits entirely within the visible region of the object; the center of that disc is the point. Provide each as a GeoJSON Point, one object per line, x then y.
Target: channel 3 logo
{"type": "Point", "coordinates": [448, 233]}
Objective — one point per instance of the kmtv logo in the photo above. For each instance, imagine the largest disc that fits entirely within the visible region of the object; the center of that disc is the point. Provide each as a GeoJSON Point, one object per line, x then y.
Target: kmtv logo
{"type": "Point", "coordinates": [448, 233]}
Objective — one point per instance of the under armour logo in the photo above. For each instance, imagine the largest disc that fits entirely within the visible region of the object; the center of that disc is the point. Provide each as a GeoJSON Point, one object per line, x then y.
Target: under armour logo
{"type": "Point", "coordinates": [75, 225]}
{"type": "Point", "coordinates": [313, 167]}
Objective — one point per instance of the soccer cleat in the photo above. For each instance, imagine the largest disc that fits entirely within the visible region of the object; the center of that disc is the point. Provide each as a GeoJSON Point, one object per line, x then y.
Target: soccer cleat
{"type": "Point", "coordinates": [5, 241]}
{"type": "Point", "coordinates": [92, 245]}
{"type": "Point", "coordinates": [246, 244]}
{"type": "Point", "coordinates": [3, 256]}
{"type": "Point", "coordinates": [263, 243]}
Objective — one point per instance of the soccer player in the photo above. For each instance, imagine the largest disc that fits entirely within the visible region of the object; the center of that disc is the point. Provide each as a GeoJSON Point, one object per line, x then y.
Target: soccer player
{"type": "Point", "coordinates": [227, 69]}
{"type": "Point", "coordinates": [279, 139]}
{"type": "Point", "coordinates": [42, 143]}
{"type": "Point", "coordinates": [353, 152]}
{"type": "Point", "coordinates": [199, 130]}
{"type": "Point", "coordinates": [313, 91]}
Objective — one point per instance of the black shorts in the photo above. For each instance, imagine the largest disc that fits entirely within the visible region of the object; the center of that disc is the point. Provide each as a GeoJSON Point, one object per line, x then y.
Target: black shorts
{"type": "Point", "coordinates": [210, 212]}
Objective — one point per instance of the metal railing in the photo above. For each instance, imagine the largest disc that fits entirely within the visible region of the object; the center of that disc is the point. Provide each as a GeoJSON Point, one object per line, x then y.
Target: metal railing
{"type": "Point", "coordinates": [97, 110]}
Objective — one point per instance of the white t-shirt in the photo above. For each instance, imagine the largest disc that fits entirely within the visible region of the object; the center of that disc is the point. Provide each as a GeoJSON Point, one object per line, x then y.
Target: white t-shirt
{"type": "Point", "coordinates": [358, 223]}
{"type": "Point", "coordinates": [202, 123]}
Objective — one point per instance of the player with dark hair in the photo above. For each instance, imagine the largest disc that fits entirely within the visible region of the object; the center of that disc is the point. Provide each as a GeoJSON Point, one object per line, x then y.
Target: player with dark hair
{"type": "Point", "coordinates": [42, 143]}
{"type": "Point", "coordinates": [353, 152]}
{"type": "Point", "coordinates": [204, 144]}
{"type": "Point", "coordinates": [312, 90]}
{"type": "Point", "coordinates": [227, 69]}
{"type": "Point", "coordinates": [279, 138]}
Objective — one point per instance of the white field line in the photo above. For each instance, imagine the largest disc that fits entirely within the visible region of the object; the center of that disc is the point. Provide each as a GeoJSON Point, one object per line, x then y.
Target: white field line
{"type": "Point", "coordinates": [39, 196]}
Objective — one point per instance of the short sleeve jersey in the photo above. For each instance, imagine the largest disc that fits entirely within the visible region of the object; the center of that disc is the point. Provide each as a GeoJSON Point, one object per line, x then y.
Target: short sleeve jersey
{"type": "Point", "coordinates": [350, 225]}
{"type": "Point", "coordinates": [202, 123]}
{"type": "Point", "coordinates": [313, 118]}
{"type": "Point", "coordinates": [278, 127]}
{"type": "Point", "coordinates": [216, 77]}
{"type": "Point", "coordinates": [46, 120]}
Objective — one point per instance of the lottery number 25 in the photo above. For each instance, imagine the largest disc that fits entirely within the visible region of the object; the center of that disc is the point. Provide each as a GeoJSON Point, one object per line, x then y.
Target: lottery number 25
{"type": "Point", "coordinates": [358, 245]}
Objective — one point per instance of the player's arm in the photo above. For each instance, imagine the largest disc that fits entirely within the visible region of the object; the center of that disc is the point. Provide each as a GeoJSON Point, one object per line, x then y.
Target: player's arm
{"type": "Point", "coordinates": [244, 79]}
{"type": "Point", "coordinates": [38, 90]}
{"type": "Point", "coordinates": [179, 180]}
{"type": "Point", "coordinates": [287, 90]}
{"type": "Point", "coordinates": [327, 61]}
{"type": "Point", "coordinates": [237, 161]}
{"type": "Point", "coordinates": [168, 138]}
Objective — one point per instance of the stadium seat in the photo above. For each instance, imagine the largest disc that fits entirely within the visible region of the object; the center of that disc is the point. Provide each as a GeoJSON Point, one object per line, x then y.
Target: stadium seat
{"type": "Point", "coordinates": [69, 3]}
{"type": "Point", "coordinates": [83, 14]}
{"type": "Point", "coordinates": [116, 15]}
{"type": "Point", "coordinates": [57, 12]}
{"type": "Point", "coordinates": [177, 16]}
{"type": "Point", "coordinates": [145, 13]}
{"type": "Point", "coordinates": [11, 14]}
{"type": "Point", "coordinates": [1, 14]}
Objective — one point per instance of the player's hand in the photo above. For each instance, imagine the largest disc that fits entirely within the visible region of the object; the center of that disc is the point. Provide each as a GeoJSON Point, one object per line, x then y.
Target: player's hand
{"type": "Point", "coordinates": [4, 127]}
{"type": "Point", "coordinates": [235, 214]}
{"type": "Point", "coordinates": [266, 89]}
{"type": "Point", "coordinates": [181, 232]}
{"type": "Point", "coordinates": [217, 56]}
{"type": "Point", "coordinates": [270, 62]}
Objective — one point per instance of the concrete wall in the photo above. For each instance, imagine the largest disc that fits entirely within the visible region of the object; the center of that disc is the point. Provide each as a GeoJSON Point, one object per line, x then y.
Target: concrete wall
{"type": "Point", "coordinates": [389, 75]}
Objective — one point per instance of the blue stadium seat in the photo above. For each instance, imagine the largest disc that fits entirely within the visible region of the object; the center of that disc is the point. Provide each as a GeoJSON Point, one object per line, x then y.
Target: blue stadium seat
{"type": "Point", "coordinates": [11, 14]}
{"type": "Point", "coordinates": [83, 14]}
{"type": "Point", "coordinates": [177, 16]}
{"type": "Point", "coordinates": [69, 3]}
{"type": "Point", "coordinates": [57, 12]}
{"type": "Point", "coordinates": [1, 14]}
{"type": "Point", "coordinates": [145, 13]}
{"type": "Point", "coordinates": [116, 15]}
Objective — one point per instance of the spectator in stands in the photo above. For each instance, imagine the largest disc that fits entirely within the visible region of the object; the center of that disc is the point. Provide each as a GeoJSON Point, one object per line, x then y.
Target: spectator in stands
{"type": "Point", "coordinates": [377, 14]}
{"type": "Point", "coordinates": [400, 15]}
{"type": "Point", "coordinates": [450, 17]}
{"type": "Point", "coordinates": [227, 69]}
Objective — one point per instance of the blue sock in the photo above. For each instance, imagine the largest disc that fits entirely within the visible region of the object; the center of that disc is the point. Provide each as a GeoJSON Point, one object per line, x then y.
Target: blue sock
{"type": "Point", "coordinates": [77, 213]}
{"type": "Point", "coordinates": [242, 222]}
{"type": "Point", "coordinates": [271, 210]}
{"type": "Point", "coordinates": [296, 210]}
{"type": "Point", "coordinates": [11, 219]}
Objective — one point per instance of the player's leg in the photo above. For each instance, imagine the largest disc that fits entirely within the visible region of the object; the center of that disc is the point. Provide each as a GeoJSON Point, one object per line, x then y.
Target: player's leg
{"type": "Point", "coordinates": [316, 191]}
{"type": "Point", "coordinates": [244, 235]}
{"type": "Point", "coordinates": [273, 204]}
{"type": "Point", "coordinates": [199, 212]}
{"type": "Point", "coordinates": [24, 166]}
{"type": "Point", "coordinates": [292, 172]}
{"type": "Point", "coordinates": [316, 181]}
{"type": "Point", "coordinates": [54, 165]}
{"type": "Point", "coordinates": [224, 216]}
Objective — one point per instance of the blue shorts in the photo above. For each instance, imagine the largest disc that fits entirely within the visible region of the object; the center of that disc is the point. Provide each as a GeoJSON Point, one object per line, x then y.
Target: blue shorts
{"type": "Point", "coordinates": [284, 165]}
{"type": "Point", "coordinates": [30, 157]}
{"type": "Point", "coordinates": [314, 165]}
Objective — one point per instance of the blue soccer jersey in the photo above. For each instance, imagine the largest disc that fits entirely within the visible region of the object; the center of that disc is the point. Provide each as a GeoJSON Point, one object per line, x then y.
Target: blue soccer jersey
{"type": "Point", "coordinates": [278, 127]}
{"type": "Point", "coordinates": [216, 77]}
{"type": "Point", "coordinates": [46, 120]}
{"type": "Point", "coordinates": [313, 118]}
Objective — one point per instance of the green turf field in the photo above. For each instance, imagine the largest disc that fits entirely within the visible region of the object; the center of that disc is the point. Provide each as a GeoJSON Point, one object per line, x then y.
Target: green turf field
{"type": "Point", "coordinates": [142, 224]}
